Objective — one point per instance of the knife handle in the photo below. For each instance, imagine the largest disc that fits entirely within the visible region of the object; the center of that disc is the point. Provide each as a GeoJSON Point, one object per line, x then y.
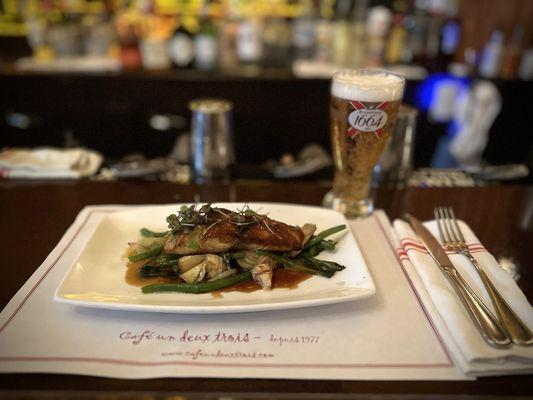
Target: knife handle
{"type": "Point", "coordinates": [485, 321]}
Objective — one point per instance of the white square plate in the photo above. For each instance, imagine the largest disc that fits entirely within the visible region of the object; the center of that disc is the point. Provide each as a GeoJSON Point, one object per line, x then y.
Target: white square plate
{"type": "Point", "coordinates": [97, 278]}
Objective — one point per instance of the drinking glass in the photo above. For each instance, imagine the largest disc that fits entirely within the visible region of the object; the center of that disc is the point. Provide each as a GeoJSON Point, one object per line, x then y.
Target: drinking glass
{"type": "Point", "coordinates": [363, 107]}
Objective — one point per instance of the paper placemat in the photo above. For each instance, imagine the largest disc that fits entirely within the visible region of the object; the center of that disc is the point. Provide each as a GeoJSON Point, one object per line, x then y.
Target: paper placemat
{"type": "Point", "coordinates": [389, 336]}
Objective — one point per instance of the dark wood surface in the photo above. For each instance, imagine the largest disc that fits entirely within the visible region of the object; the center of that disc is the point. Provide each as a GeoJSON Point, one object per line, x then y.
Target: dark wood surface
{"type": "Point", "coordinates": [34, 215]}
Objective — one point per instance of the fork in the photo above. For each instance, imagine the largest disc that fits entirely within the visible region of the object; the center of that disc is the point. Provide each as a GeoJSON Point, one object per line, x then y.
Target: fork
{"type": "Point", "coordinates": [453, 240]}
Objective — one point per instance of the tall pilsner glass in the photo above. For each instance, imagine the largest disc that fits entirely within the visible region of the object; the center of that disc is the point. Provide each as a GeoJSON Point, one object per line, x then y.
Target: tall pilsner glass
{"type": "Point", "coordinates": [363, 107]}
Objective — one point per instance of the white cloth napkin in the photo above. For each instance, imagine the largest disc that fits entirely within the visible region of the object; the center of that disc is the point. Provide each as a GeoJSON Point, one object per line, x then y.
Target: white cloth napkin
{"type": "Point", "coordinates": [479, 357]}
{"type": "Point", "coordinates": [48, 162]}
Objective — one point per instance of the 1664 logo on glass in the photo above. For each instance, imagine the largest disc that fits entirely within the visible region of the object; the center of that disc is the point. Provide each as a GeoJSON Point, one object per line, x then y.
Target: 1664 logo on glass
{"type": "Point", "coordinates": [367, 119]}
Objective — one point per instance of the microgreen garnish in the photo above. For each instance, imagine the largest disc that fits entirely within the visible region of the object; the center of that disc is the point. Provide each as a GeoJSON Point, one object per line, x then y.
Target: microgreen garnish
{"type": "Point", "coordinates": [190, 217]}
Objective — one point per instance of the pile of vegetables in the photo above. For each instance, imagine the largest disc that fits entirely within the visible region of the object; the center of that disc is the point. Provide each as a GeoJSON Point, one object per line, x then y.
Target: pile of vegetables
{"type": "Point", "coordinates": [201, 273]}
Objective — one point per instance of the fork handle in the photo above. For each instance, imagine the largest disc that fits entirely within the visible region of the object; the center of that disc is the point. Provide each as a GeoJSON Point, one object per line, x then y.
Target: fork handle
{"type": "Point", "coordinates": [485, 321]}
{"type": "Point", "coordinates": [518, 331]}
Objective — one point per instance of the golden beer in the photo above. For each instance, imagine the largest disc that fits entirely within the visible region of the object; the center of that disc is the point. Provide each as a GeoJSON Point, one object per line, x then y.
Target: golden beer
{"type": "Point", "coordinates": [363, 107]}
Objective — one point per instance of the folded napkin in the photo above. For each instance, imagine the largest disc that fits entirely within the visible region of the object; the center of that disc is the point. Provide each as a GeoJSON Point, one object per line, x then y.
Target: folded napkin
{"type": "Point", "coordinates": [477, 357]}
{"type": "Point", "coordinates": [47, 162]}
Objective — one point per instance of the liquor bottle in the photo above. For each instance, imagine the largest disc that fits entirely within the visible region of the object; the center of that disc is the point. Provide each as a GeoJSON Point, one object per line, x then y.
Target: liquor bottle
{"type": "Point", "coordinates": [357, 49]}
{"type": "Point", "coordinates": [450, 37]}
{"type": "Point", "coordinates": [491, 58]}
{"type": "Point", "coordinates": [377, 26]}
{"type": "Point", "coordinates": [394, 53]}
{"type": "Point", "coordinates": [206, 43]}
{"type": "Point", "coordinates": [304, 31]}
{"type": "Point", "coordinates": [227, 40]}
{"type": "Point", "coordinates": [324, 41]}
{"type": "Point", "coordinates": [525, 70]}
{"type": "Point", "coordinates": [276, 38]}
{"type": "Point", "coordinates": [154, 40]}
{"type": "Point", "coordinates": [341, 33]}
{"type": "Point", "coordinates": [513, 51]}
{"type": "Point", "coordinates": [130, 54]}
{"type": "Point", "coordinates": [181, 46]}
{"type": "Point", "coordinates": [417, 35]}
{"type": "Point", "coordinates": [432, 47]}
{"type": "Point", "coordinates": [249, 44]}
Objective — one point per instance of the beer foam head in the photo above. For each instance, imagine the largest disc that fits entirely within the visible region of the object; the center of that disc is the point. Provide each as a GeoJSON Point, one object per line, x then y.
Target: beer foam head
{"type": "Point", "coordinates": [367, 85]}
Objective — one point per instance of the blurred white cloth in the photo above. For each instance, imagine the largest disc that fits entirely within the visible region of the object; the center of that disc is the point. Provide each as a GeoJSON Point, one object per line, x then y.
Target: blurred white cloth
{"type": "Point", "coordinates": [479, 358]}
{"type": "Point", "coordinates": [47, 162]}
{"type": "Point", "coordinates": [475, 113]}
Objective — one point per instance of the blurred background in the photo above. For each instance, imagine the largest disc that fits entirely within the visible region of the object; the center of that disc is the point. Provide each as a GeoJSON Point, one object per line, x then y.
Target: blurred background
{"type": "Point", "coordinates": [116, 76]}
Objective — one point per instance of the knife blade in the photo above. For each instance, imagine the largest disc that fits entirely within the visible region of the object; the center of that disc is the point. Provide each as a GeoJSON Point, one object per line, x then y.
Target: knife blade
{"type": "Point", "coordinates": [484, 320]}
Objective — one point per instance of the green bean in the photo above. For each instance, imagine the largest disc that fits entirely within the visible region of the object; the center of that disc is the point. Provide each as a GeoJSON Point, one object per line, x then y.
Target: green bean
{"type": "Point", "coordinates": [300, 264]}
{"type": "Point", "coordinates": [201, 287]}
{"type": "Point", "coordinates": [327, 265]}
{"type": "Point", "coordinates": [166, 259]}
{"type": "Point", "coordinates": [328, 245]}
{"type": "Point", "coordinates": [150, 270]}
{"type": "Point", "coordinates": [170, 263]}
{"type": "Point", "coordinates": [322, 235]}
{"type": "Point", "coordinates": [315, 250]}
{"type": "Point", "coordinates": [148, 233]}
{"type": "Point", "coordinates": [155, 251]}
{"type": "Point", "coordinates": [308, 269]}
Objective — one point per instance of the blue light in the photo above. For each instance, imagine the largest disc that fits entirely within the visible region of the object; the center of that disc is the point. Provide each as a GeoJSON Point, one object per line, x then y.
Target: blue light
{"type": "Point", "coordinates": [425, 94]}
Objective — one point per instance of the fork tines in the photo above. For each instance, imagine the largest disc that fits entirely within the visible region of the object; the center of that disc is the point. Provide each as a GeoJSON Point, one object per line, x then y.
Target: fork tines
{"type": "Point", "coordinates": [448, 227]}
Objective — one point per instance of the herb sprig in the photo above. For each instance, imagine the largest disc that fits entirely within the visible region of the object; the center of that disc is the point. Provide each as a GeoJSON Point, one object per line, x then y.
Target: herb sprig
{"type": "Point", "coordinates": [188, 218]}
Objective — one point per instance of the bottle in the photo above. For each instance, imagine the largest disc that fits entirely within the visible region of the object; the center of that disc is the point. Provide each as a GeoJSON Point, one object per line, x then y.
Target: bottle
{"type": "Point", "coordinates": [249, 44]}
{"type": "Point", "coordinates": [206, 43]}
{"type": "Point", "coordinates": [227, 40]}
{"type": "Point", "coordinates": [357, 49]}
{"type": "Point", "coordinates": [451, 35]}
{"type": "Point", "coordinates": [341, 33]}
{"type": "Point", "coordinates": [418, 31]}
{"type": "Point", "coordinates": [130, 54]}
{"type": "Point", "coordinates": [394, 53]}
{"type": "Point", "coordinates": [513, 51]}
{"type": "Point", "coordinates": [525, 70]}
{"type": "Point", "coordinates": [276, 38]}
{"type": "Point", "coordinates": [432, 48]}
{"type": "Point", "coordinates": [154, 40]}
{"type": "Point", "coordinates": [377, 26]}
{"type": "Point", "coordinates": [304, 31]}
{"type": "Point", "coordinates": [181, 46]}
{"type": "Point", "coordinates": [491, 58]}
{"type": "Point", "coordinates": [324, 40]}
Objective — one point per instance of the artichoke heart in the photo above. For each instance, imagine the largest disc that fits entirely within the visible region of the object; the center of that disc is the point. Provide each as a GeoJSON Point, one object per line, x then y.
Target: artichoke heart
{"type": "Point", "coordinates": [262, 274]}
{"type": "Point", "coordinates": [187, 262]}
{"type": "Point", "coordinates": [208, 265]}
{"type": "Point", "coordinates": [195, 274]}
{"type": "Point", "coordinates": [215, 265]}
{"type": "Point", "coordinates": [251, 259]}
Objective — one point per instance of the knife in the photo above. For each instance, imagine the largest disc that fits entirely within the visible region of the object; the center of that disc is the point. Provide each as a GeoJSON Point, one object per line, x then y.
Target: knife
{"type": "Point", "coordinates": [485, 321]}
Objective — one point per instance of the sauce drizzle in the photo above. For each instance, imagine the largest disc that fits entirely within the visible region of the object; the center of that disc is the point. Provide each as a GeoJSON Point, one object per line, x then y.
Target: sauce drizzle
{"type": "Point", "coordinates": [282, 279]}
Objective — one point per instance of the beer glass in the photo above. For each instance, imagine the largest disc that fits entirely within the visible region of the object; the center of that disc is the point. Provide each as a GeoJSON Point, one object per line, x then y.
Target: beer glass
{"type": "Point", "coordinates": [363, 107]}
